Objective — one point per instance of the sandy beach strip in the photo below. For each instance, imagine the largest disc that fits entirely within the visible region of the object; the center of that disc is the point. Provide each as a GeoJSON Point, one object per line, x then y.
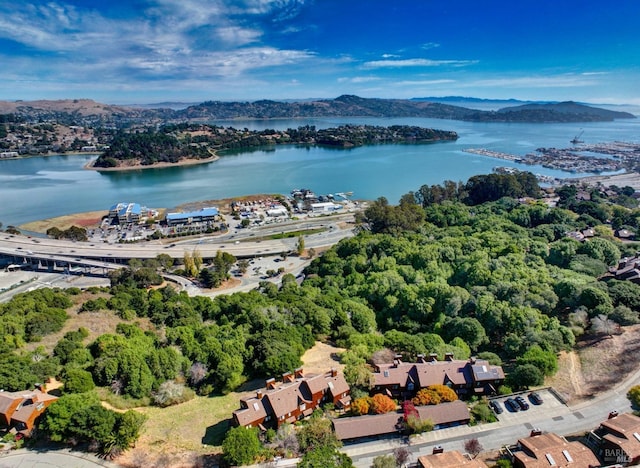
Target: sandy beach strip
{"type": "Point", "coordinates": [85, 220]}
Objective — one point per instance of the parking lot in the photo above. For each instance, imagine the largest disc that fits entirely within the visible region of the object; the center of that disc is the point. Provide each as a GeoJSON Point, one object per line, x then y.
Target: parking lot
{"type": "Point", "coordinates": [550, 402]}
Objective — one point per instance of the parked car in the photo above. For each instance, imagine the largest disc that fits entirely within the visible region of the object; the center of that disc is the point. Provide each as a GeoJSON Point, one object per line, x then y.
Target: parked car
{"type": "Point", "coordinates": [535, 398]}
{"type": "Point", "coordinates": [495, 405]}
{"type": "Point", "coordinates": [511, 405]}
{"type": "Point", "coordinates": [522, 403]}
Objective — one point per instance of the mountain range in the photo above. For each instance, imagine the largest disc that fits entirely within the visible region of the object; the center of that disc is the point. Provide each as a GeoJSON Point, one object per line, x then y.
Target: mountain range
{"type": "Point", "coordinates": [85, 111]}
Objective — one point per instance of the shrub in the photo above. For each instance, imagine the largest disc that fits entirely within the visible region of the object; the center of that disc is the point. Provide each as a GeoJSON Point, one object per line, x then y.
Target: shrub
{"type": "Point", "coordinates": [382, 404]}
{"type": "Point", "coordinates": [361, 405]}
{"type": "Point", "coordinates": [634, 396]}
{"type": "Point", "coordinates": [417, 425]}
{"type": "Point", "coordinates": [482, 413]}
{"type": "Point", "coordinates": [172, 393]}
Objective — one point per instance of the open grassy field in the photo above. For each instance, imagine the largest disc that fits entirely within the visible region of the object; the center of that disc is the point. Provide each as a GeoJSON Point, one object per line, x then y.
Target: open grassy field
{"type": "Point", "coordinates": [89, 219]}
{"type": "Point", "coordinates": [596, 365]}
{"type": "Point", "coordinates": [183, 433]}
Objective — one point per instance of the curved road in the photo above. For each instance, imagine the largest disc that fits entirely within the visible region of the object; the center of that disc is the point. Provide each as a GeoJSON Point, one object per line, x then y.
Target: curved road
{"type": "Point", "coordinates": [51, 459]}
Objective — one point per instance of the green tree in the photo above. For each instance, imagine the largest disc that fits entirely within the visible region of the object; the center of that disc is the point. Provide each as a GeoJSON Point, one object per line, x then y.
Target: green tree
{"type": "Point", "coordinates": [384, 461]}
{"type": "Point", "coordinates": [545, 361]}
{"type": "Point", "coordinates": [317, 432]}
{"type": "Point", "coordinates": [300, 245]}
{"type": "Point", "coordinates": [78, 381]}
{"type": "Point", "coordinates": [325, 457]}
{"type": "Point", "coordinates": [525, 376]}
{"type": "Point", "coordinates": [241, 446]}
{"type": "Point", "coordinates": [634, 396]}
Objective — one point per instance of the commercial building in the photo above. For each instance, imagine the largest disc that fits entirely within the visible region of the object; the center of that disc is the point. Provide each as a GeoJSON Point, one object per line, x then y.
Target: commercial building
{"type": "Point", "coordinates": [325, 207]}
{"type": "Point", "coordinates": [203, 215]}
{"type": "Point", "coordinates": [124, 213]}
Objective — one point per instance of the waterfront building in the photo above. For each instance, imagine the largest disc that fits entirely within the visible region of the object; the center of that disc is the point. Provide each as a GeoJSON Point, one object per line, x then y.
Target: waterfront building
{"type": "Point", "coordinates": [123, 213]}
{"type": "Point", "coordinates": [203, 215]}
{"type": "Point", "coordinates": [325, 207]}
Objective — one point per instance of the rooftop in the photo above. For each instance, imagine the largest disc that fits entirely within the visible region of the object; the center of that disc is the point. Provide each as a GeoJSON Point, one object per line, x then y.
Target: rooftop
{"type": "Point", "coordinates": [547, 450]}
{"type": "Point", "coordinates": [449, 460]}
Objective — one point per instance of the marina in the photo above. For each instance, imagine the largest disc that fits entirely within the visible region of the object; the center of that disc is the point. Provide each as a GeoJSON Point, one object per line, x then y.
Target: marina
{"type": "Point", "coordinates": [594, 158]}
{"type": "Point", "coordinates": [389, 170]}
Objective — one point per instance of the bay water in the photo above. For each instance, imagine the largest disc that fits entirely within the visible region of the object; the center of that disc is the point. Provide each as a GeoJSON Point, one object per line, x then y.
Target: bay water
{"type": "Point", "coordinates": [43, 187]}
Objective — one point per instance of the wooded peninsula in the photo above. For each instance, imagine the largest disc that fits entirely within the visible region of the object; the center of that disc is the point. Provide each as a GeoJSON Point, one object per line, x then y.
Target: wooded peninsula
{"type": "Point", "coordinates": [174, 143]}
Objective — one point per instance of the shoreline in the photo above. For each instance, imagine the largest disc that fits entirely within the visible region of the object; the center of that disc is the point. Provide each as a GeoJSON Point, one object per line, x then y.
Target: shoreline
{"type": "Point", "coordinates": [631, 179]}
{"type": "Point", "coordinates": [161, 165]}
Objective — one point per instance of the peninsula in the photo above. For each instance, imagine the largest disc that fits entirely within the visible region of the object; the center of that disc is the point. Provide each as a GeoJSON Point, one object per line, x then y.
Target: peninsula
{"type": "Point", "coordinates": [193, 143]}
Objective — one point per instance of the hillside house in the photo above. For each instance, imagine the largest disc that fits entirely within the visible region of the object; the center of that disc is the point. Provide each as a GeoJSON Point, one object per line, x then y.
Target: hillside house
{"type": "Point", "coordinates": [294, 398]}
{"type": "Point", "coordinates": [403, 380]}
{"type": "Point", "coordinates": [20, 410]}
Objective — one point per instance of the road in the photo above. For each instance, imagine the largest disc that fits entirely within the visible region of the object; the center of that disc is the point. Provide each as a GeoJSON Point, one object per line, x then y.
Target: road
{"type": "Point", "coordinates": [561, 419]}
{"type": "Point", "coordinates": [52, 459]}
{"type": "Point", "coordinates": [240, 244]}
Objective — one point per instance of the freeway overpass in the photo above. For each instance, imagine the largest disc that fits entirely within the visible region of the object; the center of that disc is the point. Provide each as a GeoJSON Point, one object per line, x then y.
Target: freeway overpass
{"type": "Point", "coordinates": [45, 253]}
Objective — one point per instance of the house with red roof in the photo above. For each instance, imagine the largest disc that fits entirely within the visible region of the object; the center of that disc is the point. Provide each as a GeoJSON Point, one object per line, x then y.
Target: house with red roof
{"type": "Point", "coordinates": [617, 440]}
{"type": "Point", "coordinates": [402, 380]}
{"type": "Point", "coordinates": [294, 398]}
{"type": "Point", "coordinates": [20, 410]}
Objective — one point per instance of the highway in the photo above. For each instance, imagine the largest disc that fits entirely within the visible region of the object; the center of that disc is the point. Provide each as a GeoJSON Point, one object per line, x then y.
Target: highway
{"type": "Point", "coordinates": [243, 243]}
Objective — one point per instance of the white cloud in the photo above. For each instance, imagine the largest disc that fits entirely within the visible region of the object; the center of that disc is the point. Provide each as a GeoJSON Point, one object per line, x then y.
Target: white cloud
{"type": "Point", "coordinates": [423, 82]}
{"type": "Point", "coordinates": [358, 79]}
{"type": "Point", "coordinates": [417, 63]}
{"type": "Point", "coordinates": [561, 81]}
{"type": "Point", "coordinates": [430, 45]}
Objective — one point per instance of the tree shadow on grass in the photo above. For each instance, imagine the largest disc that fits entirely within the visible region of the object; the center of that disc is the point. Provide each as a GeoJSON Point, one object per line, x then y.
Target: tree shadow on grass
{"type": "Point", "coordinates": [214, 435]}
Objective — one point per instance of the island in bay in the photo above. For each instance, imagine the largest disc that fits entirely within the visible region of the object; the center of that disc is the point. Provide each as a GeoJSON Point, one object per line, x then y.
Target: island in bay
{"type": "Point", "coordinates": [193, 143]}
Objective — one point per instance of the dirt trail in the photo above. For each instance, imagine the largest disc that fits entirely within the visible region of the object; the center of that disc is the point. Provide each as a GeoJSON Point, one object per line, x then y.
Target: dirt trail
{"type": "Point", "coordinates": [575, 374]}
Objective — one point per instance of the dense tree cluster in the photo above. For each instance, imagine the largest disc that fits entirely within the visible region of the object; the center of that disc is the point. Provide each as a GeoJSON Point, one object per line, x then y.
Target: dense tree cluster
{"type": "Point", "coordinates": [438, 274]}
{"type": "Point", "coordinates": [80, 418]}
{"type": "Point", "coordinates": [74, 233]}
{"type": "Point", "coordinates": [174, 142]}
{"type": "Point", "coordinates": [148, 147]}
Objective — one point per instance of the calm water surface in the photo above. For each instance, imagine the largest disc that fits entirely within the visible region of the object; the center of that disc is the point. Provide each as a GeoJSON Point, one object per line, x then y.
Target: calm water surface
{"type": "Point", "coordinates": [38, 188]}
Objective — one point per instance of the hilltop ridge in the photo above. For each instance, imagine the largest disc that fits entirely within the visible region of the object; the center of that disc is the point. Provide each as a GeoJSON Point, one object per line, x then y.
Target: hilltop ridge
{"type": "Point", "coordinates": [86, 111]}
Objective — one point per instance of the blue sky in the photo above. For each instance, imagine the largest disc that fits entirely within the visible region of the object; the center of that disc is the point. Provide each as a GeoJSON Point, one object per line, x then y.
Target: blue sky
{"type": "Point", "coordinates": [148, 51]}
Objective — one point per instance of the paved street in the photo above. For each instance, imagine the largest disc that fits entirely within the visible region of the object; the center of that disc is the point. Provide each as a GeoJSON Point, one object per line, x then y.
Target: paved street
{"type": "Point", "coordinates": [51, 459]}
{"type": "Point", "coordinates": [552, 416]}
